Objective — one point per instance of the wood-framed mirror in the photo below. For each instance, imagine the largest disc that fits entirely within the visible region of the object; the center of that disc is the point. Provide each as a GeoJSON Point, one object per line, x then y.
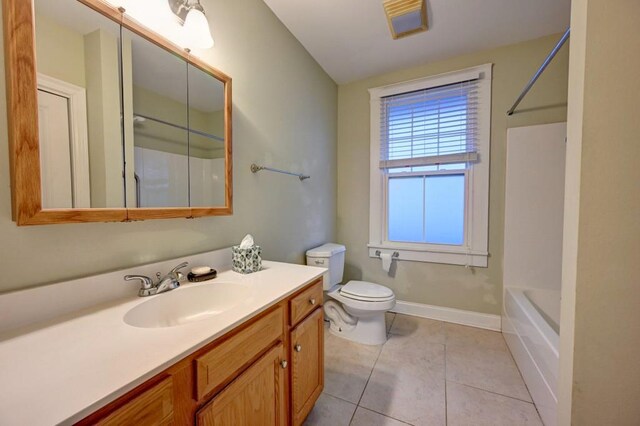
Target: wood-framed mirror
{"type": "Point", "coordinates": [109, 121]}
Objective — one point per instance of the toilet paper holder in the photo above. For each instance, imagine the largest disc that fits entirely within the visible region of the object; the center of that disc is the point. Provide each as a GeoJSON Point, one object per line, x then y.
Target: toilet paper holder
{"type": "Point", "coordinates": [395, 254]}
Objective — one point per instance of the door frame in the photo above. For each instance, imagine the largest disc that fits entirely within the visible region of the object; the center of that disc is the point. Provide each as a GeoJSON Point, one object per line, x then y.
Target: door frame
{"type": "Point", "coordinates": [78, 133]}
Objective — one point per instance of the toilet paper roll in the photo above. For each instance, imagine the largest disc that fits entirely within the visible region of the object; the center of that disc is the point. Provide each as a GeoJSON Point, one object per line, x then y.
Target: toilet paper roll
{"type": "Point", "coordinates": [386, 261]}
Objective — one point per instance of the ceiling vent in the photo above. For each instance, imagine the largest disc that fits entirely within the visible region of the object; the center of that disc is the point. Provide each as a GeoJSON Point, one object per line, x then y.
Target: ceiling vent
{"type": "Point", "coordinates": [406, 17]}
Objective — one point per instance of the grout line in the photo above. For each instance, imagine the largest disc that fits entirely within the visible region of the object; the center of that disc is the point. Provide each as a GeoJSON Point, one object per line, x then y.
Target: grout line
{"type": "Point", "coordinates": [391, 325]}
{"type": "Point", "coordinates": [370, 374]}
{"type": "Point", "coordinates": [393, 320]}
{"type": "Point", "coordinates": [384, 415]}
{"type": "Point", "coordinates": [518, 368]}
{"type": "Point", "coordinates": [369, 378]}
{"type": "Point", "coordinates": [395, 315]}
{"type": "Point", "coordinates": [444, 332]}
{"type": "Point", "coordinates": [340, 398]}
{"type": "Point", "coordinates": [446, 398]}
{"type": "Point", "coordinates": [535, 406]}
{"type": "Point", "coordinates": [445, 335]}
{"type": "Point", "coordinates": [495, 393]}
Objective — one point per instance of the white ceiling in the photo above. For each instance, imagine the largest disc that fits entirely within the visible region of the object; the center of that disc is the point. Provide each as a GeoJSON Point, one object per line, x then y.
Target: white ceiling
{"type": "Point", "coordinates": [350, 38]}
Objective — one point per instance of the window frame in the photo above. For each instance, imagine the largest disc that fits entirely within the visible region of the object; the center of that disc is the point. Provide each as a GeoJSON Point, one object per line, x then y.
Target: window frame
{"type": "Point", "coordinates": [474, 250]}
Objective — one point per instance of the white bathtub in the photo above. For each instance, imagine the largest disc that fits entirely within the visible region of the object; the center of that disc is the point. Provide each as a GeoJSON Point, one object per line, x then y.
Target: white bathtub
{"type": "Point", "coordinates": [530, 325]}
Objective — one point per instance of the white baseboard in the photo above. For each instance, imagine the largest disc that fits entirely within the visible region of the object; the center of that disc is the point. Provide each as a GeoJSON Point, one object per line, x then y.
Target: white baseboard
{"type": "Point", "coordinates": [457, 316]}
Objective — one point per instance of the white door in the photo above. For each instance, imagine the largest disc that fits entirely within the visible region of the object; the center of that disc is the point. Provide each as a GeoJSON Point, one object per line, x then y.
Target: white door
{"type": "Point", "coordinates": [55, 151]}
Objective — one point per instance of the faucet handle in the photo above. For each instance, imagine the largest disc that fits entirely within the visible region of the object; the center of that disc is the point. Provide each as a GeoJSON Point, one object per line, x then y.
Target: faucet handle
{"type": "Point", "coordinates": [146, 282]}
{"type": "Point", "coordinates": [180, 266]}
{"type": "Point", "coordinates": [178, 275]}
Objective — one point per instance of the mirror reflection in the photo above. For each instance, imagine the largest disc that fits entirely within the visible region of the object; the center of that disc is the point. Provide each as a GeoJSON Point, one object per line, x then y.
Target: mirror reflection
{"type": "Point", "coordinates": [206, 139]}
{"type": "Point", "coordinates": [175, 117]}
{"type": "Point", "coordinates": [122, 121]}
{"type": "Point", "coordinates": [156, 121]}
{"type": "Point", "coordinates": [79, 106]}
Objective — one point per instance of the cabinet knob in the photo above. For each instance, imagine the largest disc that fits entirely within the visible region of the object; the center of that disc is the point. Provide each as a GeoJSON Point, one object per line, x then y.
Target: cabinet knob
{"type": "Point", "coordinates": [284, 363]}
{"type": "Point", "coordinates": [297, 348]}
{"type": "Point", "coordinates": [312, 301]}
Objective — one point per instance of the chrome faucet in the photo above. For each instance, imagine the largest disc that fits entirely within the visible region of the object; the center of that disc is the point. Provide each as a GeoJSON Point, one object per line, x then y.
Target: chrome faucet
{"type": "Point", "coordinates": [168, 282]}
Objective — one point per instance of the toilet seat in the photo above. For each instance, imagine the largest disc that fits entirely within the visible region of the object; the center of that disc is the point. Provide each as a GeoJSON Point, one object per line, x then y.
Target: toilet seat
{"type": "Point", "coordinates": [366, 292]}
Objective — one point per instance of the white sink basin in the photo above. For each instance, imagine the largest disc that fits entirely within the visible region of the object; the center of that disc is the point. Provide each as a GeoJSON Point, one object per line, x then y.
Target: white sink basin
{"type": "Point", "coordinates": [187, 304]}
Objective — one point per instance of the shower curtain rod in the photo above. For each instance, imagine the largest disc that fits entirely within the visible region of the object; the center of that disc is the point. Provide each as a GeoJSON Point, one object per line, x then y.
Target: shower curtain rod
{"type": "Point", "coordinates": [538, 73]}
{"type": "Point", "coordinates": [177, 126]}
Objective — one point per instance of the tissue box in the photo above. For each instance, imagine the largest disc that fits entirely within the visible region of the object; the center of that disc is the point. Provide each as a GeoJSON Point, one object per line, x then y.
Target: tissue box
{"type": "Point", "coordinates": [247, 260]}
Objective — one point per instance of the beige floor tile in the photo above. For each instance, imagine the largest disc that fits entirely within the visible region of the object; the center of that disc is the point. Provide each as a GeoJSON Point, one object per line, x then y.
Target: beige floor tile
{"type": "Point", "coordinates": [469, 406]}
{"type": "Point", "coordinates": [420, 328]}
{"type": "Point", "coordinates": [330, 411]}
{"type": "Point", "coordinates": [389, 317]}
{"type": "Point", "coordinates": [407, 385]}
{"type": "Point", "coordinates": [462, 335]}
{"type": "Point", "coordinates": [407, 382]}
{"type": "Point", "coordinates": [348, 366]}
{"type": "Point", "coordinates": [364, 417]}
{"type": "Point", "coordinates": [492, 370]}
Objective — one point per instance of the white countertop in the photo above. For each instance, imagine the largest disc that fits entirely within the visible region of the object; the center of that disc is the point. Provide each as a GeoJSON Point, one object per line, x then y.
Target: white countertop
{"type": "Point", "coordinates": [61, 370]}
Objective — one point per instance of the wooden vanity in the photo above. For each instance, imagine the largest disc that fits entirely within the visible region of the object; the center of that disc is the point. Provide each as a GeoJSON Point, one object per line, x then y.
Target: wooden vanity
{"type": "Point", "coordinates": [269, 370]}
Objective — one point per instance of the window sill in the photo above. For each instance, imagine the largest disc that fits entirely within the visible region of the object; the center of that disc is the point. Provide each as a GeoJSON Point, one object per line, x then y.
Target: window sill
{"type": "Point", "coordinates": [432, 254]}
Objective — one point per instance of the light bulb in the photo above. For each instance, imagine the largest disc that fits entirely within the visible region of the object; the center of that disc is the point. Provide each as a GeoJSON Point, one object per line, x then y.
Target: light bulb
{"type": "Point", "coordinates": [196, 30]}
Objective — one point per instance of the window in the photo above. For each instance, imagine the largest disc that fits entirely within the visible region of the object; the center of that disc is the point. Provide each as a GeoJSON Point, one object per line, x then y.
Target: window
{"type": "Point", "coordinates": [430, 168]}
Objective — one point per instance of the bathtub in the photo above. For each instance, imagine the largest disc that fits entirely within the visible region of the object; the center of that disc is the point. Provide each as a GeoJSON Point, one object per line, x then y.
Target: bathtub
{"type": "Point", "coordinates": [530, 325]}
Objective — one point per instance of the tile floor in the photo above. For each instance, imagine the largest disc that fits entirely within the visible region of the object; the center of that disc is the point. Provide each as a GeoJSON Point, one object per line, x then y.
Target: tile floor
{"type": "Point", "coordinates": [427, 373]}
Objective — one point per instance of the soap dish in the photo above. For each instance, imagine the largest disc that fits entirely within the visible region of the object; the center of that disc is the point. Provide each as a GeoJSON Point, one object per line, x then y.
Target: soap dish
{"type": "Point", "coordinates": [202, 277]}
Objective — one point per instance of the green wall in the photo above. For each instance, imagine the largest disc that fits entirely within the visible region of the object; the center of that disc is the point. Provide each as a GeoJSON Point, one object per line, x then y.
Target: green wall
{"type": "Point", "coordinates": [284, 115]}
{"type": "Point", "coordinates": [59, 51]}
{"type": "Point", "coordinates": [474, 289]}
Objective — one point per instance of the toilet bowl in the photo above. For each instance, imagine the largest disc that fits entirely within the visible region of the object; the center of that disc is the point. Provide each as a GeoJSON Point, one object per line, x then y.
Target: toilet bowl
{"type": "Point", "coordinates": [356, 309]}
{"type": "Point", "coordinates": [366, 304]}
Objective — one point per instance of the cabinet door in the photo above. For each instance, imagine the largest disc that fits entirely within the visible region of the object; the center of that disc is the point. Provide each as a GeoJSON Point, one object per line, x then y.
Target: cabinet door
{"type": "Point", "coordinates": [307, 365]}
{"type": "Point", "coordinates": [256, 397]}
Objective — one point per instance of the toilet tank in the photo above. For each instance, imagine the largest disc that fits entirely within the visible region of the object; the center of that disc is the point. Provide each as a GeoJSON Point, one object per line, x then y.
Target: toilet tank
{"type": "Point", "coordinates": [329, 256]}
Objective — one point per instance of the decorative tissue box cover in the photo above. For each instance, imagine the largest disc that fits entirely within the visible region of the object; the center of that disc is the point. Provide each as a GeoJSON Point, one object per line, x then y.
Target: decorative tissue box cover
{"type": "Point", "coordinates": [246, 261]}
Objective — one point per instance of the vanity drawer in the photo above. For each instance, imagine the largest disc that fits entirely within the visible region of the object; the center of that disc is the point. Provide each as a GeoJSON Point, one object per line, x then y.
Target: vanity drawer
{"type": "Point", "coordinates": [225, 360]}
{"type": "Point", "coordinates": [153, 407]}
{"type": "Point", "coordinates": [305, 302]}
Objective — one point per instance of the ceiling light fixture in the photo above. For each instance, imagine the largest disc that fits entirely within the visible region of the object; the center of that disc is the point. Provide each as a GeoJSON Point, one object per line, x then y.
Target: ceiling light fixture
{"type": "Point", "coordinates": [195, 25]}
{"type": "Point", "coordinates": [405, 17]}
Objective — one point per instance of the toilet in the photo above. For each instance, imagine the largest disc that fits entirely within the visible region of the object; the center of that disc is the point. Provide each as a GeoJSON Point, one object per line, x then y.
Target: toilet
{"type": "Point", "coordinates": [357, 310]}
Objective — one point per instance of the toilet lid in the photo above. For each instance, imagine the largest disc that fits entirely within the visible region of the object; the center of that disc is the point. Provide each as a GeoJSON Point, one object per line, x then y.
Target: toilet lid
{"type": "Point", "coordinates": [363, 290]}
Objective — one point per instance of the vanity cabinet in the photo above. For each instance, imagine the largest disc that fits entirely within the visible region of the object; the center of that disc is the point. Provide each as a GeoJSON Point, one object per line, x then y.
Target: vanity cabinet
{"type": "Point", "coordinates": [268, 370]}
{"type": "Point", "coordinates": [305, 302]}
{"type": "Point", "coordinates": [155, 406]}
{"type": "Point", "coordinates": [232, 355]}
{"type": "Point", "coordinates": [307, 361]}
{"type": "Point", "coordinates": [257, 396]}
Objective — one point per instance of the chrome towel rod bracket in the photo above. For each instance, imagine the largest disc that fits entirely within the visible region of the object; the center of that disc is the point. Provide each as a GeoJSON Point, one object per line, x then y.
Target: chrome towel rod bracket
{"type": "Point", "coordinates": [255, 169]}
{"type": "Point", "coordinates": [395, 254]}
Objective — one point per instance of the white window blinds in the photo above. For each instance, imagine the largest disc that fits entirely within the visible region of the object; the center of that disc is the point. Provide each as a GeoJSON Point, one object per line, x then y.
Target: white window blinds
{"type": "Point", "coordinates": [430, 126]}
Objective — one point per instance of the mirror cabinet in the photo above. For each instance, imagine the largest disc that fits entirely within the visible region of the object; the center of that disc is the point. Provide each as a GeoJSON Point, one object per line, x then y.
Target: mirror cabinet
{"type": "Point", "coordinates": [109, 121]}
